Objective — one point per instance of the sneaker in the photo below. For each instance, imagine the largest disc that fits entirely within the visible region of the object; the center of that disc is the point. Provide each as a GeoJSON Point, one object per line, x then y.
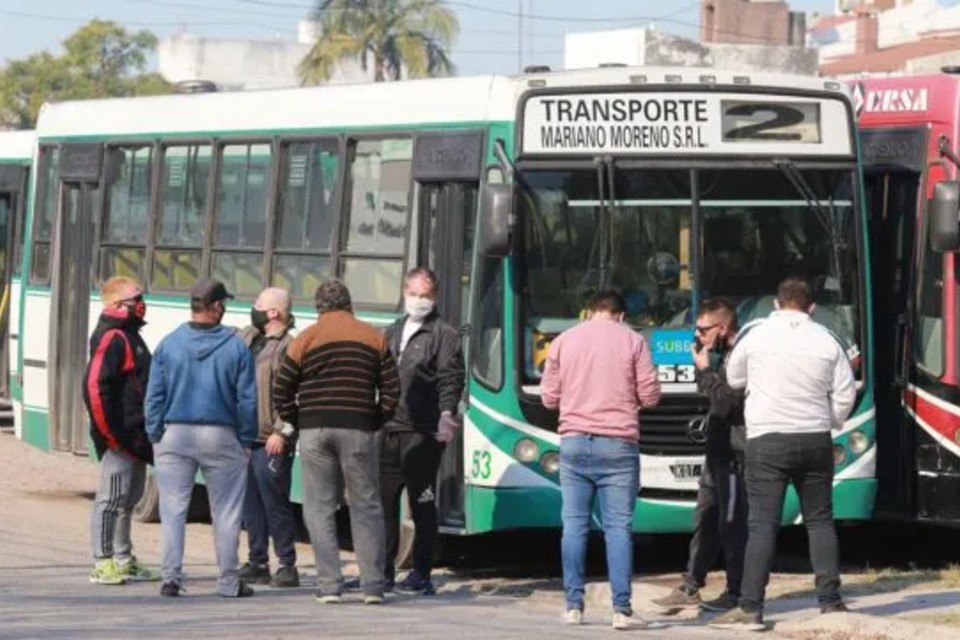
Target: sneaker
{"type": "Point", "coordinates": [373, 598]}
{"type": "Point", "coordinates": [625, 620]}
{"type": "Point", "coordinates": [573, 617]}
{"type": "Point", "coordinates": [107, 571]}
{"type": "Point", "coordinates": [171, 590]}
{"type": "Point", "coordinates": [135, 572]}
{"type": "Point", "coordinates": [678, 599]}
{"type": "Point", "coordinates": [722, 604]}
{"type": "Point", "coordinates": [245, 591]}
{"type": "Point", "coordinates": [353, 584]}
{"type": "Point", "coordinates": [416, 585]}
{"type": "Point", "coordinates": [330, 598]}
{"type": "Point", "coordinates": [833, 607]}
{"type": "Point", "coordinates": [286, 578]}
{"type": "Point", "coordinates": [389, 585]}
{"type": "Point", "coordinates": [739, 620]}
{"type": "Point", "coordinates": [255, 573]}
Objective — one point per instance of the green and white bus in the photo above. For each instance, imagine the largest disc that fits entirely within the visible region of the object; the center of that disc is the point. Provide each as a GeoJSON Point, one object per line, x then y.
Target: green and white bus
{"type": "Point", "coordinates": [526, 194]}
{"type": "Point", "coordinates": [16, 158]}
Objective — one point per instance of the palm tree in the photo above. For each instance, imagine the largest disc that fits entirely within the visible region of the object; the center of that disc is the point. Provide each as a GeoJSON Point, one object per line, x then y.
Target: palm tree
{"type": "Point", "coordinates": [412, 37]}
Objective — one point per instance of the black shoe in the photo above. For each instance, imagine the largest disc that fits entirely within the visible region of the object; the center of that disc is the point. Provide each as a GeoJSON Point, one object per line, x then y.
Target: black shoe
{"type": "Point", "coordinates": [834, 607]}
{"type": "Point", "coordinates": [255, 573]}
{"type": "Point", "coordinates": [245, 591]}
{"type": "Point", "coordinates": [389, 585]}
{"type": "Point", "coordinates": [725, 602]}
{"type": "Point", "coordinates": [286, 578]}
{"type": "Point", "coordinates": [416, 585]}
{"type": "Point", "coordinates": [171, 590]}
{"type": "Point", "coordinates": [739, 620]}
{"type": "Point", "coordinates": [353, 584]}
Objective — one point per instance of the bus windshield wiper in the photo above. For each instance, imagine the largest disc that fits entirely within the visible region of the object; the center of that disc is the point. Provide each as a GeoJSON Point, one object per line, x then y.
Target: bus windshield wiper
{"type": "Point", "coordinates": [827, 215]}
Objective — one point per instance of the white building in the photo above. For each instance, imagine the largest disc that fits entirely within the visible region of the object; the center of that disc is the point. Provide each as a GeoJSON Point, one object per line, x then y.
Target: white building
{"type": "Point", "coordinates": [235, 65]}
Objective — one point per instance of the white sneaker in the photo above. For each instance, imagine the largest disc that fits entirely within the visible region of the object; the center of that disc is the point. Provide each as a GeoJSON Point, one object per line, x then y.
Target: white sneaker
{"type": "Point", "coordinates": [624, 622]}
{"type": "Point", "coordinates": [573, 617]}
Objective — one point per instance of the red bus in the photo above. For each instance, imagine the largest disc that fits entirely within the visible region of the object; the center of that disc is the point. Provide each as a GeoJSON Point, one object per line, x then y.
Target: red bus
{"type": "Point", "coordinates": [909, 136]}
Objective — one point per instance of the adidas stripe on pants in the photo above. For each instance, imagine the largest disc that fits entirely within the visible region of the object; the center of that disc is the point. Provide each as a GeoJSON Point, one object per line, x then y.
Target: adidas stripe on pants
{"type": "Point", "coordinates": [122, 480]}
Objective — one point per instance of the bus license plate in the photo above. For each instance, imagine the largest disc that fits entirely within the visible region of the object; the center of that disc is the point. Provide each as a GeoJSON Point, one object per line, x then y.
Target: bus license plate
{"type": "Point", "coordinates": [686, 471]}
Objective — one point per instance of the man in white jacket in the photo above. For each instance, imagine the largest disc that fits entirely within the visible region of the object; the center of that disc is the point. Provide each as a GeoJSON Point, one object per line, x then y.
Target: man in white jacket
{"type": "Point", "coordinates": [799, 387]}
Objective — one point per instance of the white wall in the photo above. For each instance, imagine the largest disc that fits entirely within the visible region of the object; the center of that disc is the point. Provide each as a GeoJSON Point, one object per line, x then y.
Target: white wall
{"type": "Point", "coordinates": [242, 64]}
{"type": "Point", "coordinates": [591, 49]}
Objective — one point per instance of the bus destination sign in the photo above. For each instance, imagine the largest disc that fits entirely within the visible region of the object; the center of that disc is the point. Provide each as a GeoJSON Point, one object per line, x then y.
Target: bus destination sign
{"type": "Point", "coordinates": [686, 123]}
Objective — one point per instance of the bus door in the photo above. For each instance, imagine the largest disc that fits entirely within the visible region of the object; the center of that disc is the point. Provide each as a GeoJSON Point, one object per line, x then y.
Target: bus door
{"type": "Point", "coordinates": [894, 162]}
{"type": "Point", "coordinates": [13, 187]}
{"type": "Point", "coordinates": [71, 284]}
{"type": "Point", "coordinates": [447, 168]}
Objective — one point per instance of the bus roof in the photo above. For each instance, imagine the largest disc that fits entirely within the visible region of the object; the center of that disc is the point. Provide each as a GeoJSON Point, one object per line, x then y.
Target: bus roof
{"type": "Point", "coordinates": [906, 100]}
{"type": "Point", "coordinates": [393, 104]}
{"type": "Point", "coordinates": [17, 145]}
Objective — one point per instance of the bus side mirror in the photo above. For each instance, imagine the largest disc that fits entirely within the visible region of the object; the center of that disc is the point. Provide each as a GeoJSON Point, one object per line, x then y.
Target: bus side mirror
{"type": "Point", "coordinates": [496, 219]}
{"type": "Point", "coordinates": [944, 212]}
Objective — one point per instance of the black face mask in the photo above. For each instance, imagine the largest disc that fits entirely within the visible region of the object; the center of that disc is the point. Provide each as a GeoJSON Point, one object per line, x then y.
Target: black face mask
{"type": "Point", "coordinates": [259, 319]}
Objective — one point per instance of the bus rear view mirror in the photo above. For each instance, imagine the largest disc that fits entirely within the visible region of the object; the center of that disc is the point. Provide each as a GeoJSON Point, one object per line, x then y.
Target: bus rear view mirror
{"type": "Point", "coordinates": [944, 214]}
{"type": "Point", "coordinates": [496, 219]}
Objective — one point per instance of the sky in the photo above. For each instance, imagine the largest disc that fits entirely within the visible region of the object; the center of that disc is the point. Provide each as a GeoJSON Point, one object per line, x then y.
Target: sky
{"type": "Point", "coordinates": [488, 41]}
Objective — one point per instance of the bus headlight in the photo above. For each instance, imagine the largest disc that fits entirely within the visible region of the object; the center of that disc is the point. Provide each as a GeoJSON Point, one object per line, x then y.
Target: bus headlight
{"type": "Point", "coordinates": [550, 462]}
{"type": "Point", "coordinates": [839, 455]}
{"type": "Point", "coordinates": [858, 442]}
{"type": "Point", "coordinates": [526, 450]}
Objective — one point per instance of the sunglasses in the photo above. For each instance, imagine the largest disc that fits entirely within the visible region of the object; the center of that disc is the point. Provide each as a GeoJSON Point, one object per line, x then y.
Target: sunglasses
{"type": "Point", "coordinates": [134, 299]}
{"type": "Point", "coordinates": [700, 329]}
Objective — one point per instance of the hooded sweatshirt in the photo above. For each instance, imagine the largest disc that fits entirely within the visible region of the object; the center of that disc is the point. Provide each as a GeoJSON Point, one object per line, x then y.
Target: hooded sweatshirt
{"type": "Point", "coordinates": [202, 375]}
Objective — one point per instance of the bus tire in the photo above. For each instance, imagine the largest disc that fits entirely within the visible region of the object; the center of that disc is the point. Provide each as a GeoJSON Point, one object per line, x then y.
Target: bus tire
{"type": "Point", "coordinates": [148, 508]}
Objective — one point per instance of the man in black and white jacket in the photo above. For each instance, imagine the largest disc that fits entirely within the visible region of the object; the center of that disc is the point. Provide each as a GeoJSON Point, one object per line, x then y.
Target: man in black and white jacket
{"type": "Point", "coordinates": [430, 364]}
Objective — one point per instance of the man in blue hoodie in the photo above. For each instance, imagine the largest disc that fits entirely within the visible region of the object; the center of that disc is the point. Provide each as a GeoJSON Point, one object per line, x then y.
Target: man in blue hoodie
{"type": "Point", "coordinates": [201, 412]}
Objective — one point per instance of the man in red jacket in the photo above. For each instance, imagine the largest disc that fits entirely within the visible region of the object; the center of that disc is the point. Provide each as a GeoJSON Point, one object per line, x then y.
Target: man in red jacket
{"type": "Point", "coordinates": [113, 390]}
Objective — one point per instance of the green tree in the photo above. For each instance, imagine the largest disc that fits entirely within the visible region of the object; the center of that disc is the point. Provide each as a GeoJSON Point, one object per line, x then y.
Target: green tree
{"type": "Point", "coordinates": [411, 37]}
{"type": "Point", "coordinates": [100, 60]}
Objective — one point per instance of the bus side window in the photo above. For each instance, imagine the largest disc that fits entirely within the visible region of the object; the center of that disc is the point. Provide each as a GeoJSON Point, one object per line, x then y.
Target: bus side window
{"type": "Point", "coordinates": [240, 228]}
{"type": "Point", "coordinates": [376, 223]}
{"type": "Point", "coordinates": [928, 330]}
{"type": "Point", "coordinates": [184, 181]}
{"type": "Point", "coordinates": [307, 196]}
{"type": "Point", "coordinates": [45, 212]}
{"type": "Point", "coordinates": [126, 211]}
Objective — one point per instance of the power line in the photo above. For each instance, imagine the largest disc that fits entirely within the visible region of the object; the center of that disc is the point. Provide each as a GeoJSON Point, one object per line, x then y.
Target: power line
{"type": "Point", "coordinates": [137, 23]}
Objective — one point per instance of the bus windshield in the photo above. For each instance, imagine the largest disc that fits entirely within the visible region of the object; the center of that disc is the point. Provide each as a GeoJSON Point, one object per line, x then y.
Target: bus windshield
{"type": "Point", "coordinates": [755, 226]}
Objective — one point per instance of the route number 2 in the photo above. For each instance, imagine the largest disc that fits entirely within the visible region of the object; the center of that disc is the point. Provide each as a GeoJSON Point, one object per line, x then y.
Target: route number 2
{"type": "Point", "coordinates": [480, 468]}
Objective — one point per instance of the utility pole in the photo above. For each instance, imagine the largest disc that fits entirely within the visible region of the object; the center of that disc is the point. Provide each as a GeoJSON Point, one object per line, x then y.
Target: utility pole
{"type": "Point", "coordinates": [519, 36]}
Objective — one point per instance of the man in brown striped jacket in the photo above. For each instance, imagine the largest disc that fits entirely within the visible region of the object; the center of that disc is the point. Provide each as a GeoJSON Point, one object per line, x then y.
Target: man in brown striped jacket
{"type": "Point", "coordinates": [337, 384]}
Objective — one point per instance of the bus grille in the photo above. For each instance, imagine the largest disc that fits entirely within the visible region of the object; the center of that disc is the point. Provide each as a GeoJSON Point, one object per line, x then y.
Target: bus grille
{"type": "Point", "coordinates": [663, 430]}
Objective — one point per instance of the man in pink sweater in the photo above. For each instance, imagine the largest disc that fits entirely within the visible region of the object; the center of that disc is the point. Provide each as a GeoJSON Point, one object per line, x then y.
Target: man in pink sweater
{"type": "Point", "coordinates": [600, 375]}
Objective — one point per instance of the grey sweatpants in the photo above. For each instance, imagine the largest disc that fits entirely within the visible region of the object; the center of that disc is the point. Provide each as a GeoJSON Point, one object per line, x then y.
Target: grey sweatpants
{"type": "Point", "coordinates": [324, 452]}
{"type": "Point", "coordinates": [217, 453]}
{"type": "Point", "coordinates": [121, 486]}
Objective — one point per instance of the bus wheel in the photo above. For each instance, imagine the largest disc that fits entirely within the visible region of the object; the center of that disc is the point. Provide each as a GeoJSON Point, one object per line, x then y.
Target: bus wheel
{"type": "Point", "coordinates": [148, 509]}
{"type": "Point", "coordinates": [405, 546]}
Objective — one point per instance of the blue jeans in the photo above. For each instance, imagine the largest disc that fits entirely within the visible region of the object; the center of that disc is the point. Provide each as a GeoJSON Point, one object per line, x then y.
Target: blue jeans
{"type": "Point", "coordinates": [610, 467]}
{"type": "Point", "coordinates": [267, 511]}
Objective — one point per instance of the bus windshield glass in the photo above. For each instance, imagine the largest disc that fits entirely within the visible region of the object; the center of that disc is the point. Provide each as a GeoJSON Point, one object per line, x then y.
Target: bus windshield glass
{"type": "Point", "coordinates": [755, 226]}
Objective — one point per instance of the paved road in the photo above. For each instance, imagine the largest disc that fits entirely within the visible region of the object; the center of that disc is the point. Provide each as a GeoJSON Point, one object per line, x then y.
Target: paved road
{"type": "Point", "coordinates": [44, 591]}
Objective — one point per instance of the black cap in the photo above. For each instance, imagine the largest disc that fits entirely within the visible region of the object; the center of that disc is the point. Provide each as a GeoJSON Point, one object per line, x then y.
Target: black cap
{"type": "Point", "coordinates": [208, 291]}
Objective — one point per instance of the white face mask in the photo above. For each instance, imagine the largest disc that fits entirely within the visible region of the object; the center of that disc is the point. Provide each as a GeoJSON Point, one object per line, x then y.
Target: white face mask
{"type": "Point", "coordinates": [418, 308]}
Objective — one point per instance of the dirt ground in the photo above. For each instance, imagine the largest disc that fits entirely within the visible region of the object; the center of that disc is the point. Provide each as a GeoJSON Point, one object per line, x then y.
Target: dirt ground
{"type": "Point", "coordinates": [45, 558]}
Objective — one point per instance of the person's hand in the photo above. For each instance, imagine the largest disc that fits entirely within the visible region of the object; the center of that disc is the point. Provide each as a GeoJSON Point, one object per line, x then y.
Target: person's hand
{"type": "Point", "coordinates": [701, 359]}
{"type": "Point", "coordinates": [276, 444]}
{"type": "Point", "coordinates": [446, 428]}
